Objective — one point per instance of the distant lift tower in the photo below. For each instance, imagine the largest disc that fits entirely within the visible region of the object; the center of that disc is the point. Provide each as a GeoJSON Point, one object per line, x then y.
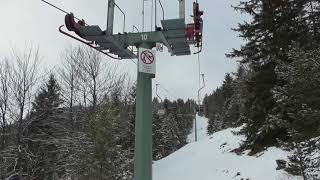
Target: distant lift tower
{"type": "Point", "coordinates": [175, 34]}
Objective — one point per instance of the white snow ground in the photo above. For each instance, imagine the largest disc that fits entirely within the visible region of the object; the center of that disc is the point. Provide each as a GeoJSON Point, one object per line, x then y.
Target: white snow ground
{"type": "Point", "coordinates": [202, 124]}
{"type": "Point", "coordinates": [210, 159]}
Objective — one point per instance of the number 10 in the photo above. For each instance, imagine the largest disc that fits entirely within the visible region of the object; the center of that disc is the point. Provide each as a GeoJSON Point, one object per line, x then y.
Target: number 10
{"type": "Point", "coordinates": [144, 37]}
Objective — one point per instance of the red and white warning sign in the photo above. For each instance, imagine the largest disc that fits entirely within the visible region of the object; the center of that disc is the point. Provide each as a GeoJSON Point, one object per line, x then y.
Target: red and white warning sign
{"type": "Point", "coordinates": [147, 61]}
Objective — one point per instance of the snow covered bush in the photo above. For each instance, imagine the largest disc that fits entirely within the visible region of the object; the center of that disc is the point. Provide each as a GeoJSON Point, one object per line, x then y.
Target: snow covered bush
{"type": "Point", "coordinates": [306, 160]}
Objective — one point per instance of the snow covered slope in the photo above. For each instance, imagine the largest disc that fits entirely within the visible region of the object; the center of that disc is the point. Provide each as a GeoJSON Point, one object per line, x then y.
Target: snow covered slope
{"type": "Point", "coordinates": [202, 124]}
{"type": "Point", "coordinates": [210, 159]}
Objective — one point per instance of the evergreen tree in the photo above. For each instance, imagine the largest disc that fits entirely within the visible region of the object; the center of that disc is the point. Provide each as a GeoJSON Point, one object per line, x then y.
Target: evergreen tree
{"type": "Point", "coordinates": [228, 115]}
{"type": "Point", "coordinates": [111, 140]}
{"type": "Point", "coordinates": [215, 124]}
{"type": "Point", "coordinates": [44, 132]}
{"type": "Point", "coordinates": [98, 162]}
{"type": "Point", "coordinates": [223, 106]}
{"type": "Point", "coordinates": [299, 97]}
{"type": "Point", "coordinates": [48, 100]}
{"type": "Point", "coordinates": [276, 27]}
{"type": "Point", "coordinates": [227, 87]}
{"type": "Point", "coordinates": [214, 104]}
{"type": "Point", "coordinates": [170, 131]}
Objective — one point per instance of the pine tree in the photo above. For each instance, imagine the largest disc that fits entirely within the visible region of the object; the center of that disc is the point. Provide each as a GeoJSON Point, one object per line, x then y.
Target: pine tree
{"type": "Point", "coordinates": [276, 27]}
{"type": "Point", "coordinates": [299, 97]}
{"type": "Point", "coordinates": [227, 87]}
{"type": "Point", "coordinates": [98, 162]}
{"type": "Point", "coordinates": [46, 131]}
{"type": "Point", "coordinates": [170, 131]}
{"type": "Point", "coordinates": [214, 106]}
{"type": "Point", "coordinates": [229, 115]}
{"type": "Point", "coordinates": [223, 106]}
{"type": "Point", "coordinates": [48, 100]}
{"type": "Point", "coordinates": [111, 138]}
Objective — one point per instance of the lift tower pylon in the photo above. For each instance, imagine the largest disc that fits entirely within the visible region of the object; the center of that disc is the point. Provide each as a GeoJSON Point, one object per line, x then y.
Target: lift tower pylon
{"type": "Point", "coordinates": [175, 34]}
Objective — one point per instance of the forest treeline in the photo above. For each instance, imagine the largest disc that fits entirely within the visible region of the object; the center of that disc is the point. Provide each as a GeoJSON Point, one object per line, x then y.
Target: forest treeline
{"type": "Point", "coordinates": [77, 121]}
{"type": "Point", "coordinates": [275, 92]}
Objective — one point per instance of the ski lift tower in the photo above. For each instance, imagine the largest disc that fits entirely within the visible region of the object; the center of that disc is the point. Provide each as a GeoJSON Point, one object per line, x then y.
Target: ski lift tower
{"type": "Point", "coordinates": [175, 34]}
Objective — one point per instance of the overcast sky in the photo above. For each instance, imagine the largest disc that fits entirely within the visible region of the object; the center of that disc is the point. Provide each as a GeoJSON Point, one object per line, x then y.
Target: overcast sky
{"type": "Point", "coordinates": [31, 21]}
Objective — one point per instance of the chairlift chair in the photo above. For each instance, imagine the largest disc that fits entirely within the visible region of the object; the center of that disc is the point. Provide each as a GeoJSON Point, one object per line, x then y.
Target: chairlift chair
{"type": "Point", "coordinates": [200, 110]}
{"type": "Point", "coordinates": [161, 112]}
{"type": "Point", "coordinates": [161, 109]}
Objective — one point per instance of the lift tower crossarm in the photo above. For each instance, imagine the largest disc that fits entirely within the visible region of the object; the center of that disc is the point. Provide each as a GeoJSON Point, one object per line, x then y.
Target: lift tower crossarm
{"type": "Point", "coordinates": [173, 36]}
{"type": "Point", "coordinates": [134, 39]}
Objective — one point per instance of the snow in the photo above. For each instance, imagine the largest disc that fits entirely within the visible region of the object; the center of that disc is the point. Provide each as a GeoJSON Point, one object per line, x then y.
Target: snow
{"type": "Point", "coordinates": [210, 159]}
{"type": "Point", "coordinates": [202, 124]}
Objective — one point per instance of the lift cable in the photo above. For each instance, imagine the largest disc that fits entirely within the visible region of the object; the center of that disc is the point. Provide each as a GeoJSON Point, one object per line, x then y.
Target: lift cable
{"type": "Point", "coordinates": [60, 9]}
{"type": "Point", "coordinates": [134, 62]}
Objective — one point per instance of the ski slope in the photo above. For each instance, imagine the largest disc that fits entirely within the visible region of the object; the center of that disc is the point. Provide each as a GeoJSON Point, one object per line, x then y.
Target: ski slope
{"type": "Point", "coordinates": [202, 124]}
{"type": "Point", "coordinates": [210, 159]}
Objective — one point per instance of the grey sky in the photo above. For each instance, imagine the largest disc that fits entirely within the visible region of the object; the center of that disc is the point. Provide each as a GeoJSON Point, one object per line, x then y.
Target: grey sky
{"type": "Point", "coordinates": [31, 21]}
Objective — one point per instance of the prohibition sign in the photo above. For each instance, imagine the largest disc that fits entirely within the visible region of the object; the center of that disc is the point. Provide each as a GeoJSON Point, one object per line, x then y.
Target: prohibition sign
{"type": "Point", "coordinates": [147, 57]}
